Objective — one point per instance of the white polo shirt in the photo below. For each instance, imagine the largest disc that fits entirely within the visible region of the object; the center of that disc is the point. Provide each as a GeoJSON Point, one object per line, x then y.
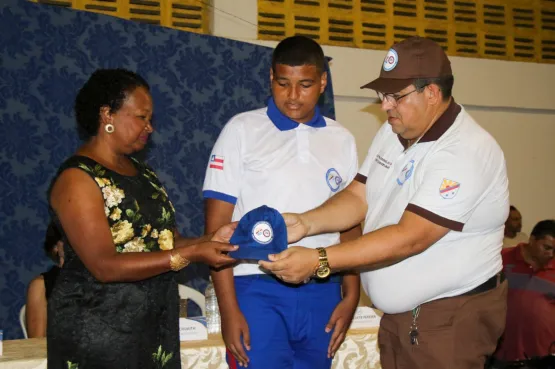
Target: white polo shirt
{"type": "Point", "coordinates": [282, 164]}
{"type": "Point", "coordinates": [454, 176]}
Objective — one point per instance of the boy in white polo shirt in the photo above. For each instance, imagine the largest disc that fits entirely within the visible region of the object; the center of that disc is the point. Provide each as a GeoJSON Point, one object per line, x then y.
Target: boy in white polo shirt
{"type": "Point", "coordinates": [433, 192]}
{"type": "Point", "coordinates": [289, 157]}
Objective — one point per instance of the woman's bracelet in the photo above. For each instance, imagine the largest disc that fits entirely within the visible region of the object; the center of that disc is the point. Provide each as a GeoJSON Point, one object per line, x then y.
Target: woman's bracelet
{"type": "Point", "coordinates": [177, 262]}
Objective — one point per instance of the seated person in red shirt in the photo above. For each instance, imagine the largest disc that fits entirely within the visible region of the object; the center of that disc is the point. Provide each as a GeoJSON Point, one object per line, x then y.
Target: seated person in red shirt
{"type": "Point", "coordinates": [530, 269]}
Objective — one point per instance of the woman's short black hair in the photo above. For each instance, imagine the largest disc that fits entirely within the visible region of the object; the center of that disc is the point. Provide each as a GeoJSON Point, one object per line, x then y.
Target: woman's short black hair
{"type": "Point", "coordinates": [299, 50]}
{"type": "Point", "coordinates": [53, 235]}
{"type": "Point", "coordinates": [105, 87]}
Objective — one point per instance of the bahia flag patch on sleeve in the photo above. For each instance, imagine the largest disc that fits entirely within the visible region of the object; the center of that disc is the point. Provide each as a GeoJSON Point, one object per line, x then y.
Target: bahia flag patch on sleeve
{"type": "Point", "coordinates": [449, 188]}
{"type": "Point", "coordinates": [217, 162]}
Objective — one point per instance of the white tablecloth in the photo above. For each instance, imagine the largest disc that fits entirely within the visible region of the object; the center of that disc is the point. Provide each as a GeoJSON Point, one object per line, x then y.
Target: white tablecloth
{"type": "Point", "coordinates": [359, 351]}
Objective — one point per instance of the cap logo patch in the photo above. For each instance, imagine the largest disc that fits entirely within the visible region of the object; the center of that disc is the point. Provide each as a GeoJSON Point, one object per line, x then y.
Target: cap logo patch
{"type": "Point", "coordinates": [391, 60]}
{"type": "Point", "coordinates": [262, 232]}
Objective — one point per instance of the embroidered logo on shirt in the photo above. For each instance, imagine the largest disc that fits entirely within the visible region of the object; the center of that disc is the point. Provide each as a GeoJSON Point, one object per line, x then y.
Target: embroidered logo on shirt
{"type": "Point", "coordinates": [406, 173]}
{"type": "Point", "coordinates": [262, 232]}
{"type": "Point", "coordinates": [449, 188]}
{"type": "Point", "coordinates": [217, 162]}
{"type": "Point", "coordinates": [333, 179]}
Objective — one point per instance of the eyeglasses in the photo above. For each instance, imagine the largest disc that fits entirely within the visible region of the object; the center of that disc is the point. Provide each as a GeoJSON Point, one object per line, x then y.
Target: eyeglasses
{"type": "Point", "coordinates": [394, 99]}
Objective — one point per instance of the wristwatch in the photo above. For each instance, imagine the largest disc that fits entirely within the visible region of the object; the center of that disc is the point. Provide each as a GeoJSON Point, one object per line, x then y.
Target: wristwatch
{"type": "Point", "coordinates": [323, 269]}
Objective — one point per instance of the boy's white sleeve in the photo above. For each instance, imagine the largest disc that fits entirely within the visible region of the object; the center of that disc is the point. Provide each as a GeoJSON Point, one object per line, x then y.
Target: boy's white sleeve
{"type": "Point", "coordinates": [225, 166]}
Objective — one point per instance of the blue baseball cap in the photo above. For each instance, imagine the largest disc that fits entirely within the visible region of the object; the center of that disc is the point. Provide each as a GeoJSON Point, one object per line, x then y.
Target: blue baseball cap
{"type": "Point", "coordinates": [260, 232]}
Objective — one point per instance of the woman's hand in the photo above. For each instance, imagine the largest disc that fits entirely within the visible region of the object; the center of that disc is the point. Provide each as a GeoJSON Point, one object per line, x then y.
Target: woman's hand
{"type": "Point", "coordinates": [211, 253]}
{"type": "Point", "coordinates": [224, 233]}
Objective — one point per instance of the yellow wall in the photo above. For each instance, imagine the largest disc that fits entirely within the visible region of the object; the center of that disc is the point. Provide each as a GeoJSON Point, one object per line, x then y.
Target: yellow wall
{"type": "Point", "coordinates": [514, 101]}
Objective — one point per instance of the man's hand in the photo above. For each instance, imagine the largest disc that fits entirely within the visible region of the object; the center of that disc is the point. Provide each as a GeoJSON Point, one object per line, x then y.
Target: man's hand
{"type": "Point", "coordinates": [296, 228]}
{"type": "Point", "coordinates": [235, 332]}
{"type": "Point", "coordinates": [294, 265]}
{"type": "Point", "coordinates": [339, 322]}
{"type": "Point", "coordinates": [224, 233]}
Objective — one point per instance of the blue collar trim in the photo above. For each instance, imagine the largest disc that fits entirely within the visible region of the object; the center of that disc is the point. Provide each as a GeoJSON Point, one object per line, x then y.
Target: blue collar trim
{"type": "Point", "coordinates": [284, 123]}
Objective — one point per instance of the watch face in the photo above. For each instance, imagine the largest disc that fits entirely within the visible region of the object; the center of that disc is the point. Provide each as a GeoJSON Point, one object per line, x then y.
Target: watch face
{"type": "Point", "coordinates": [323, 272]}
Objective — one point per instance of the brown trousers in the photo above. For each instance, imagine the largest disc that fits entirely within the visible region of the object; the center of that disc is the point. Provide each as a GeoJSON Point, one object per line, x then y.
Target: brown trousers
{"type": "Point", "coordinates": [453, 333]}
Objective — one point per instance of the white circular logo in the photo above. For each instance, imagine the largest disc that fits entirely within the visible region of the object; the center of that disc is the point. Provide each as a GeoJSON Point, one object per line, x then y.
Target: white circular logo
{"type": "Point", "coordinates": [262, 232]}
{"type": "Point", "coordinates": [391, 60]}
{"type": "Point", "coordinates": [406, 173]}
{"type": "Point", "coordinates": [333, 179]}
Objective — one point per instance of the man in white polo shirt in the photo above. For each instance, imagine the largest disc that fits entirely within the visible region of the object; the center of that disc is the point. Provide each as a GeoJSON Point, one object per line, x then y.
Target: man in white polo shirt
{"type": "Point", "coordinates": [433, 192]}
{"type": "Point", "coordinates": [289, 157]}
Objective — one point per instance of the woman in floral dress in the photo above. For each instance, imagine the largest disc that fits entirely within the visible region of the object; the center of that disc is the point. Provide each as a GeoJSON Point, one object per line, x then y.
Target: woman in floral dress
{"type": "Point", "coordinates": [115, 303]}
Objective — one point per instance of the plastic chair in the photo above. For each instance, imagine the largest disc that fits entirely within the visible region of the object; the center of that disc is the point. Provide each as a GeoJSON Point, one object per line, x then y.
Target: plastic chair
{"type": "Point", "coordinates": [186, 292]}
{"type": "Point", "coordinates": [22, 321]}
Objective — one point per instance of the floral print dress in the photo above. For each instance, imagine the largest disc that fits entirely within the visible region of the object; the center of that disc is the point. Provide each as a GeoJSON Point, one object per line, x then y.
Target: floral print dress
{"type": "Point", "coordinates": [118, 325]}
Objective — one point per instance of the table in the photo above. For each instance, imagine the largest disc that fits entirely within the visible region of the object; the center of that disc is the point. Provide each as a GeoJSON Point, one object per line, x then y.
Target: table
{"type": "Point", "coordinates": [359, 351]}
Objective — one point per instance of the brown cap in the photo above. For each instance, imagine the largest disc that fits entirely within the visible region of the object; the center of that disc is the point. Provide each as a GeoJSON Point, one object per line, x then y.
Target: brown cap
{"type": "Point", "coordinates": [413, 58]}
